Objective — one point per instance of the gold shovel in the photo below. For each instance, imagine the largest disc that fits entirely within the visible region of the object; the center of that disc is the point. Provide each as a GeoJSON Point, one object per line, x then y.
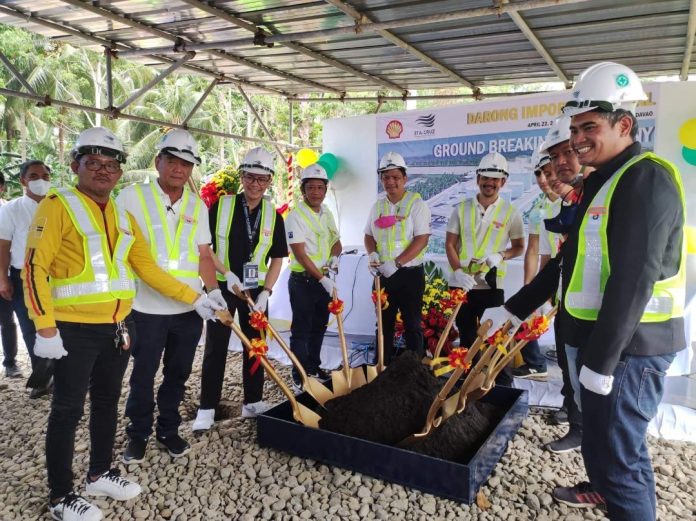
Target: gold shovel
{"type": "Point", "coordinates": [313, 386]}
{"type": "Point", "coordinates": [300, 412]}
{"type": "Point", "coordinates": [374, 370]}
{"type": "Point", "coordinates": [347, 378]}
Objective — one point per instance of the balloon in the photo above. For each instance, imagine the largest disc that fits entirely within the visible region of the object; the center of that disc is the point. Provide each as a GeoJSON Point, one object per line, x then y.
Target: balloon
{"type": "Point", "coordinates": [329, 162]}
{"type": "Point", "coordinates": [306, 157]}
{"type": "Point", "coordinates": [687, 134]}
{"type": "Point", "coordinates": [689, 155]}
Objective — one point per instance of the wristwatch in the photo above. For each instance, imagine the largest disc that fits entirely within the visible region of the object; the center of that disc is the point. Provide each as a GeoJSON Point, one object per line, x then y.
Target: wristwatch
{"type": "Point", "coordinates": [398, 264]}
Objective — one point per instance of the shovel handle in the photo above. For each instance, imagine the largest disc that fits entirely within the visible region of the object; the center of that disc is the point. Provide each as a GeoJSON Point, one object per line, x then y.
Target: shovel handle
{"type": "Point", "coordinates": [380, 330]}
{"type": "Point", "coordinates": [342, 341]}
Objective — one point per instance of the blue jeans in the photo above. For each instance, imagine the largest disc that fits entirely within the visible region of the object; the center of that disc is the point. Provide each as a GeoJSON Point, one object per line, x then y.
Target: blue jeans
{"type": "Point", "coordinates": [310, 314]}
{"type": "Point", "coordinates": [20, 309]}
{"type": "Point", "coordinates": [531, 354]}
{"type": "Point", "coordinates": [614, 427]}
{"type": "Point", "coordinates": [171, 339]}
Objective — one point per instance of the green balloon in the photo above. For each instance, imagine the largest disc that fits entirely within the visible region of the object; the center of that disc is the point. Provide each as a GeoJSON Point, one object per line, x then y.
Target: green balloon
{"type": "Point", "coordinates": [689, 155]}
{"type": "Point", "coordinates": [329, 162]}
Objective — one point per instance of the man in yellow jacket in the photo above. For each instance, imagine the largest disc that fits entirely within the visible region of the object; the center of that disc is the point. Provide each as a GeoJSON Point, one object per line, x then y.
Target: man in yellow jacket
{"type": "Point", "coordinates": [83, 253]}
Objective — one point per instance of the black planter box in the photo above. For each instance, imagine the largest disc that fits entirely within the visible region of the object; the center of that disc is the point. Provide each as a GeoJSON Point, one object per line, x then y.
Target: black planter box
{"type": "Point", "coordinates": [277, 429]}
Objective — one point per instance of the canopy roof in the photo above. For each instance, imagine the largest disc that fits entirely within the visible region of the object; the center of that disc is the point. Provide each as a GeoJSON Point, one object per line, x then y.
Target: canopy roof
{"type": "Point", "coordinates": [385, 46]}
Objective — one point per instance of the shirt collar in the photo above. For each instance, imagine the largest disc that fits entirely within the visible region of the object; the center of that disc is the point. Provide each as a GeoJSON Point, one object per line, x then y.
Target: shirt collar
{"type": "Point", "coordinates": [492, 205]}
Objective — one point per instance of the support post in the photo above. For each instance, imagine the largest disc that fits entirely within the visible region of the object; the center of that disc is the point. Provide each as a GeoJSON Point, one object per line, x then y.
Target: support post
{"type": "Point", "coordinates": [258, 118]}
{"type": "Point", "coordinates": [200, 101]}
{"type": "Point", "coordinates": [16, 74]}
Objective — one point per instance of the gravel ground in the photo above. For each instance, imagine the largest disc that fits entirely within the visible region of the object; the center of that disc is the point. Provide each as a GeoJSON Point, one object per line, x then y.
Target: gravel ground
{"type": "Point", "coordinates": [227, 476]}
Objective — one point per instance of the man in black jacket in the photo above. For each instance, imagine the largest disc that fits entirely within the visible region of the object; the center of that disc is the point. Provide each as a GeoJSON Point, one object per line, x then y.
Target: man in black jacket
{"type": "Point", "coordinates": [623, 292]}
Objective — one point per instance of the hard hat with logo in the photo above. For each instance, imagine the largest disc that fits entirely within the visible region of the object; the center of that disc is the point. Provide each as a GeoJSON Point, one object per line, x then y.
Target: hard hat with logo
{"type": "Point", "coordinates": [493, 165]}
{"type": "Point", "coordinates": [258, 161]}
{"type": "Point", "coordinates": [314, 171]}
{"type": "Point", "coordinates": [391, 160]}
{"type": "Point", "coordinates": [540, 158]}
{"type": "Point", "coordinates": [99, 140]}
{"type": "Point", "coordinates": [180, 143]}
{"type": "Point", "coordinates": [607, 86]}
{"type": "Point", "coordinates": [557, 134]}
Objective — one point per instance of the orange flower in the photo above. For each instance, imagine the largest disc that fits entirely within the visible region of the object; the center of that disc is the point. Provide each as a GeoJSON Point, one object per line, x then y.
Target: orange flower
{"type": "Point", "coordinates": [533, 328]}
{"type": "Point", "coordinates": [457, 295]}
{"type": "Point", "coordinates": [258, 350]}
{"type": "Point", "coordinates": [457, 358]}
{"type": "Point", "coordinates": [382, 298]}
{"type": "Point", "coordinates": [336, 306]}
{"type": "Point", "coordinates": [258, 320]}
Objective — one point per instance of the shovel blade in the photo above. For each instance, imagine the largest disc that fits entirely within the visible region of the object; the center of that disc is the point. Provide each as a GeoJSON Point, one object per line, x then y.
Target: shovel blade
{"type": "Point", "coordinates": [339, 384]}
{"type": "Point", "coordinates": [306, 416]}
{"type": "Point", "coordinates": [318, 391]}
{"type": "Point", "coordinates": [371, 372]}
{"type": "Point", "coordinates": [357, 378]}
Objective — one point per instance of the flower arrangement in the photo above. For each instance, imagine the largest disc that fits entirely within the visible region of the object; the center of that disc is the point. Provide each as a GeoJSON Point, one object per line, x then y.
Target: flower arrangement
{"type": "Point", "coordinates": [223, 182]}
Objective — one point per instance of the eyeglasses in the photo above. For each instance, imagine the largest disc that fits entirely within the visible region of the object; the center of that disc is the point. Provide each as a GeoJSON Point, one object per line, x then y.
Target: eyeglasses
{"type": "Point", "coordinates": [259, 180]}
{"type": "Point", "coordinates": [94, 165]}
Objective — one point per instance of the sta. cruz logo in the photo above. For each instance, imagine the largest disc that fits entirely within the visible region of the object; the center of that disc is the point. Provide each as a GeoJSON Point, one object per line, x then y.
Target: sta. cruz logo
{"type": "Point", "coordinates": [394, 129]}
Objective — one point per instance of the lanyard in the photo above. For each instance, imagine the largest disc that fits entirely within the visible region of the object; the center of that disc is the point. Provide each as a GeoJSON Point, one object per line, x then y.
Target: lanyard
{"type": "Point", "coordinates": [251, 232]}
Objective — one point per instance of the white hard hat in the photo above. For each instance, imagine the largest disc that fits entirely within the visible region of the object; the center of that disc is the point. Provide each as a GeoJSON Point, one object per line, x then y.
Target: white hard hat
{"type": "Point", "coordinates": [391, 160]}
{"type": "Point", "coordinates": [608, 86]}
{"type": "Point", "coordinates": [180, 143]}
{"type": "Point", "coordinates": [258, 161]}
{"type": "Point", "coordinates": [494, 165]}
{"type": "Point", "coordinates": [558, 133]}
{"type": "Point", "coordinates": [99, 140]}
{"type": "Point", "coordinates": [314, 171]}
{"type": "Point", "coordinates": [540, 158]}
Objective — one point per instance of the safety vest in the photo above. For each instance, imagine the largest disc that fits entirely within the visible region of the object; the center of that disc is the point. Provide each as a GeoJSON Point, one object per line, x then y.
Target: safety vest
{"type": "Point", "coordinates": [319, 226]}
{"type": "Point", "coordinates": [395, 239]}
{"type": "Point", "coordinates": [179, 256]}
{"type": "Point", "coordinates": [548, 210]}
{"type": "Point", "coordinates": [105, 277]}
{"type": "Point", "coordinates": [222, 232]}
{"type": "Point", "coordinates": [586, 289]}
{"type": "Point", "coordinates": [477, 244]}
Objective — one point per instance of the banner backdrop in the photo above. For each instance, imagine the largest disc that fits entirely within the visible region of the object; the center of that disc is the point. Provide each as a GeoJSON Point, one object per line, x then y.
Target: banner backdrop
{"type": "Point", "coordinates": [442, 148]}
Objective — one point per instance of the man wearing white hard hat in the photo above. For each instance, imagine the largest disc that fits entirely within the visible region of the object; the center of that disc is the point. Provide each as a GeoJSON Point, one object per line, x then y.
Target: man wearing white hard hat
{"type": "Point", "coordinates": [478, 233]}
{"type": "Point", "coordinates": [315, 245]}
{"type": "Point", "coordinates": [623, 267]}
{"type": "Point", "coordinates": [396, 236]}
{"type": "Point", "coordinates": [249, 241]}
{"type": "Point", "coordinates": [83, 254]}
{"type": "Point", "coordinates": [175, 223]}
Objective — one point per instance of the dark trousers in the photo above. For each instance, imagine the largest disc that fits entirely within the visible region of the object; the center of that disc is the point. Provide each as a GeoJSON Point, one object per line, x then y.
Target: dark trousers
{"type": "Point", "coordinates": [8, 333]}
{"type": "Point", "coordinates": [93, 363]}
{"type": "Point", "coordinates": [20, 309]}
{"type": "Point", "coordinates": [310, 314]}
{"type": "Point", "coordinates": [574, 414]}
{"type": "Point", "coordinates": [171, 339]}
{"type": "Point", "coordinates": [531, 354]}
{"type": "Point", "coordinates": [614, 447]}
{"type": "Point", "coordinates": [469, 316]}
{"type": "Point", "coordinates": [217, 339]}
{"type": "Point", "coordinates": [405, 293]}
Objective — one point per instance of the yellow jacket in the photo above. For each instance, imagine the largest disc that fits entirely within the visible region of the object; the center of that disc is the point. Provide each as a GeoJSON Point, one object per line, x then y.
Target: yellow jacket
{"type": "Point", "coordinates": [55, 249]}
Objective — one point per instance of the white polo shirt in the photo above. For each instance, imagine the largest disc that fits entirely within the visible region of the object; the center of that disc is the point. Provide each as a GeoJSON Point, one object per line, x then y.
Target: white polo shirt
{"type": "Point", "coordinates": [147, 300]}
{"type": "Point", "coordinates": [297, 230]}
{"type": "Point", "coordinates": [15, 218]}
{"type": "Point", "coordinates": [483, 220]}
{"type": "Point", "coordinates": [419, 218]}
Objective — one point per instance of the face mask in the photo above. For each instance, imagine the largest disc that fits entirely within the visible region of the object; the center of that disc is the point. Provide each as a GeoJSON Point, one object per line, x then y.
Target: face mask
{"type": "Point", "coordinates": [39, 187]}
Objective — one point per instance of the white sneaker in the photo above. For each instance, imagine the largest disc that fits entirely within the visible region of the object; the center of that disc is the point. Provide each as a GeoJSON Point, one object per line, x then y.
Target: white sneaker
{"type": "Point", "coordinates": [204, 420]}
{"type": "Point", "coordinates": [75, 508]}
{"type": "Point", "coordinates": [252, 410]}
{"type": "Point", "coordinates": [111, 484]}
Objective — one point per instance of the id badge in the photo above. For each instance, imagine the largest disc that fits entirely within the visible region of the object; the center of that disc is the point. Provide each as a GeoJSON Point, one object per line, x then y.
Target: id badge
{"type": "Point", "coordinates": [250, 276]}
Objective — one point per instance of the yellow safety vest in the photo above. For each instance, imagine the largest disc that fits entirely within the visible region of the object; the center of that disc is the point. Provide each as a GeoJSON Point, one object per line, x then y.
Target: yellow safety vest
{"type": "Point", "coordinates": [322, 232]}
{"type": "Point", "coordinates": [395, 239]}
{"type": "Point", "coordinates": [586, 289]}
{"type": "Point", "coordinates": [222, 232]}
{"type": "Point", "coordinates": [494, 239]}
{"type": "Point", "coordinates": [548, 209]}
{"type": "Point", "coordinates": [104, 277]}
{"type": "Point", "coordinates": [179, 256]}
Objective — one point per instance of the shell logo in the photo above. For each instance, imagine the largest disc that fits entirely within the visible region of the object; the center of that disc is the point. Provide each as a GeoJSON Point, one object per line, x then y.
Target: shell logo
{"type": "Point", "coordinates": [394, 129]}
{"type": "Point", "coordinates": [687, 137]}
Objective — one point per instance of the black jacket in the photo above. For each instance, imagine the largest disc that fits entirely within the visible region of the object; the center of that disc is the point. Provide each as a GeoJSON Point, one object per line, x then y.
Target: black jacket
{"type": "Point", "coordinates": [644, 236]}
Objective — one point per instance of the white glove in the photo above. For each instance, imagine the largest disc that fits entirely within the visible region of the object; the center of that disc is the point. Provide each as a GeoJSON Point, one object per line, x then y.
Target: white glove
{"type": "Point", "coordinates": [388, 268]}
{"type": "Point", "coordinates": [262, 301]}
{"type": "Point", "coordinates": [493, 260]}
{"type": "Point", "coordinates": [499, 316]}
{"type": "Point", "coordinates": [595, 382]}
{"type": "Point", "coordinates": [373, 258]}
{"type": "Point", "coordinates": [462, 280]}
{"type": "Point", "coordinates": [333, 264]}
{"type": "Point", "coordinates": [206, 307]}
{"type": "Point", "coordinates": [232, 281]}
{"type": "Point", "coordinates": [51, 347]}
{"type": "Point", "coordinates": [216, 296]}
{"type": "Point", "coordinates": [328, 284]}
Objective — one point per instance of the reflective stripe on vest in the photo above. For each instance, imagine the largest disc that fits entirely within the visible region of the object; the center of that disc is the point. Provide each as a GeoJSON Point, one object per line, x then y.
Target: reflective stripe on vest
{"type": "Point", "coordinates": [222, 233]}
{"type": "Point", "coordinates": [322, 234]}
{"type": "Point", "coordinates": [591, 272]}
{"type": "Point", "coordinates": [104, 277]}
{"type": "Point", "coordinates": [474, 247]}
{"type": "Point", "coordinates": [395, 239]}
{"type": "Point", "coordinates": [550, 210]}
{"type": "Point", "coordinates": [180, 262]}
